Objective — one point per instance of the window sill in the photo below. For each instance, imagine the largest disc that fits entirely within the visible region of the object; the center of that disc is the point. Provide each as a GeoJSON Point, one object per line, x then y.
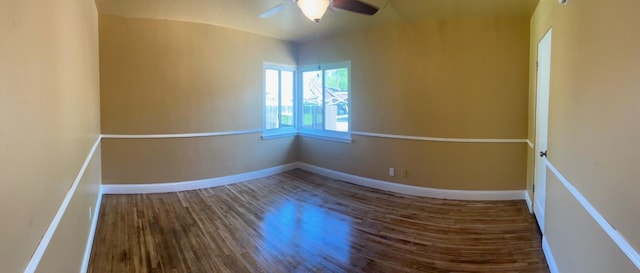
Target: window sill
{"type": "Point", "coordinates": [336, 137]}
{"type": "Point", "coordinates": [267, 135]}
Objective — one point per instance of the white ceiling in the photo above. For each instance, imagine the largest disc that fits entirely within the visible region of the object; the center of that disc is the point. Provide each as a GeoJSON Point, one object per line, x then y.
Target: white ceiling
{"type": "Point", "coordinates": [291, 25]}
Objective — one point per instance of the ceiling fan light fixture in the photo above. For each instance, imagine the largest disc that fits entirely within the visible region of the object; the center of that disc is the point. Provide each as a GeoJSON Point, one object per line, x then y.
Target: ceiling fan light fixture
{"type": "Point", "coordinates": [313, 9]}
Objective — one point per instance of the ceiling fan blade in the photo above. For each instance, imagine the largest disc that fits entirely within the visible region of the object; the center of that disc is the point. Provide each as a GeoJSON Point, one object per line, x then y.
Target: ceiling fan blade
{"type": "Point", "coordinates": [355, 6]}
{"type": "Point", "coordinates": [272, 11]}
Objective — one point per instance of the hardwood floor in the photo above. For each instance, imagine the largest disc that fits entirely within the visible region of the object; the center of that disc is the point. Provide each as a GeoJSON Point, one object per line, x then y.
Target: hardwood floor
{"type": "Point", "coordinates": [301, 222]}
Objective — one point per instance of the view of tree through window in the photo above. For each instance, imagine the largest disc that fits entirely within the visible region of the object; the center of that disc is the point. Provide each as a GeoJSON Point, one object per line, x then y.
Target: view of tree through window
{"type": "Point", "coordinates": [337, 79]}
{"type": "Point", "coordinates": [336, 99]}
{"type": "Point", "coordinates": [328, 110]}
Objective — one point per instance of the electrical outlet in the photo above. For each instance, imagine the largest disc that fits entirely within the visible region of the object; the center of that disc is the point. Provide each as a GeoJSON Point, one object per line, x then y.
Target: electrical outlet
{"type": "Point", "coordinates": [403, 172]}
{"type": "Point", "coordinates": [392, 172]}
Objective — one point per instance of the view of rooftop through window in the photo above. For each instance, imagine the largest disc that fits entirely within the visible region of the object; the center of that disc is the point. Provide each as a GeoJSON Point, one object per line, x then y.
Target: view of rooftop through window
{"type": "Point", "coordinates": [314, 101]}
{"type": "Point", "coordinates": [328, 110]}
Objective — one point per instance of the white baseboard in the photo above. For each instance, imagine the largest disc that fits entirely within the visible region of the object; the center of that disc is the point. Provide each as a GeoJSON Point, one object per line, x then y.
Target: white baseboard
{"type": "Point", "coordinates": [551, 262]}
{"type": "Point", "coordinates": [415, 190]}
{"type": "Point", "coordinates": [92, 233]}
{"type": "Point", "coordinates": [194, 184]}
{"type": "Point", "coordinates": [528, 200]}
{"type": "Point", "coordinates": [354, 179]}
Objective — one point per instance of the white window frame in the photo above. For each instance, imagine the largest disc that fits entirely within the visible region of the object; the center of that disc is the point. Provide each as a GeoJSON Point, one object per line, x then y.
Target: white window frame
{"type": "Point", "coordinates": [281, 131]}
{"type": "Point", "coordinates": [298, 98]}
{"type": "Point", "coordinates": [322, 133]}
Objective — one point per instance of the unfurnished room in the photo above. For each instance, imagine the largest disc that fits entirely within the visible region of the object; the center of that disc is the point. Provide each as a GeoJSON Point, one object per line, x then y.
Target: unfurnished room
{"type": "Point", "coordinates": [191, 136]}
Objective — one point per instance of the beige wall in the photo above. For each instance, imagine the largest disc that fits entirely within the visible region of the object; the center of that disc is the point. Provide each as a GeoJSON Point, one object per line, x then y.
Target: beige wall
{"type": "Point", "coordinates": [67, 247]}
{"type": "Point", "coordinates": [140, 161]}
{"type": "Point", "coordinates": [170, 77]}
{"type": "Point", "coordinates": [458, 78]}
{"type": "Point", "coordinates": [49, 111]}
{"type": "Point", "coordinates": [443, 165]}
{"type": "Point", "coordinates": [593, 130]}
{"type": "Point", "coordinates": [163, 77]}
{"type": "Point", "coordinates": [577, 241]}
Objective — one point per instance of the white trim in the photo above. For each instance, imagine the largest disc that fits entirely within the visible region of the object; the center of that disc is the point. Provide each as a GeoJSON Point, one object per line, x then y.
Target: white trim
{"type": "Point", "coordinates": [278, 133]}
{"type": "Point", "coordinates": [530, 144]}
{"type": "Point", "coordinates": [551, 262]}
{"type": "Point", "coordinates": [528, 200]}
{"type": "Point", "coordinates": [440, 139]}
{"type": "Point", "coordinates": [194, 184]}
{"type": "Point", "coordinates": [324, 136]}
{"type": "Point", "coordinates": [270, 65]}
{"type": "Point", "coordinates": [415, 190]}
{"type": "Point", "coordinates": [631, 253]}
{"type": "Point", "coordinates": [46, 238]}
{"type": "Point", "coordinates": [92, 233]}
{"type": "Point", "coordinates": [539, 210]}
{"type": "Point", "coordinates": [281, 131]}
{"type": "Point", "coordinates": [363, 181]}
{"type": "Point", "coordinates": [327, 66]}
{"type": "Point", "coordinates": [207, 134]}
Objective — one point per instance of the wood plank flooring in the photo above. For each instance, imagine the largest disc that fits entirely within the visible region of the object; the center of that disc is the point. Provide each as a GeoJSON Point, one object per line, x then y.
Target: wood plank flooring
{"type": "Point", "coordinates": [302, 222]}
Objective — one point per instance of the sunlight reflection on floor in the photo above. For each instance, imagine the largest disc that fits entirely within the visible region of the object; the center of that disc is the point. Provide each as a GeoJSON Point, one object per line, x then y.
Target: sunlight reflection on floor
{"type": "Point", "coordinates": [293, 229]}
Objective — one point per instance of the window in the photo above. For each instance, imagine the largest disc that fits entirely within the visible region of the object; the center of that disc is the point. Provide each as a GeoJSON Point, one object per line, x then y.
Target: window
{"type": "Point", "coordinates": [279, 118]}
{"type": "Point", "coordinates": [325, 100]}
{"type": "Point", "coordinates": [317, 107]}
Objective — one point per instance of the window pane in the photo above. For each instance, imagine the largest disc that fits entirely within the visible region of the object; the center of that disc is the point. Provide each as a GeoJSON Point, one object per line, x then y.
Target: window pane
{"type": "Point", "coordinates": [286, 107]}
{"type": "Point", "coordinates": [312, 99]}
{"type": "Point", "coordinates": [336, 99]}
{"type": "Point", "coordinates": [272, 99]}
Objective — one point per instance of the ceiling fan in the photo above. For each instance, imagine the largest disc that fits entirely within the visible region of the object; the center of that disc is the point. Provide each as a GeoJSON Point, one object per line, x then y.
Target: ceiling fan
{"type": "Point", "coordinates": [314, 9]}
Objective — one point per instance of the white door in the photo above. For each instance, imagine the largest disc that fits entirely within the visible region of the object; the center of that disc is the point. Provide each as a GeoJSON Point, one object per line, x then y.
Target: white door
{"type": "Point", "coordinates": [542, 122]}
